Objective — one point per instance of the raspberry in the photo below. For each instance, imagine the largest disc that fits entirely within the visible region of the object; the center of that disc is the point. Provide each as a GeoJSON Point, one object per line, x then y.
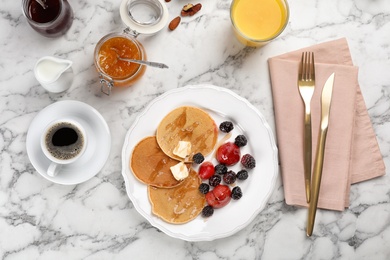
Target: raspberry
{"type": "Point", "coordinates": [236, 193]}
{"type": "Point", "coordinates": [207, 211]}
{"type": "Point", "coordinates": [204, 188]}
{"type": "Point", "coordinates": [220, 169]}
{"type": "Point", "coordinates": [226, 126]}
{"type": "Point", "coordinates": [240, 140]}
{"type": "Point", "coordinates": [215, 180]}
{"type": "Point", "coordinates": [242, 175]}
{"type": "Point", "coordinates": [229, 177]}
{"type": "Point", "coordinates": [248, 161]}
{"type": "Point", "coordinates": [198, 158]}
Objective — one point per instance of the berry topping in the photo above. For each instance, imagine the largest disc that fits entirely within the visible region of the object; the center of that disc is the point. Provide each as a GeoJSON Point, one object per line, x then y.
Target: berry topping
{"type": "Point", "coordinates": [206, 170]}
{"type": "Point", "coordinates": [242, 175]}
{"type": "Point", "coordinates": [215, 180]}
{"type": "Point", "coordinates": [226, 126]}
{"type": "Point", "coordinates": [198, 158]}
{"type": "Point", "coordinates": [236, 193]}
{"type": "Point", "coordinates": [204, 188]}
{"type": "Point", "coordinates": [219, 196]}
{"type": "Point", "coordinates": [220, 169]}
{"type": "Point", "coordinates": [248, 161]}
{"type": "Point", "coordinates": [229, 177]}
{"type": "Point", "coordinates": [240, 140]}
{"type": "Point", "coordinates": [228, 154]}
{"type": "Point", "coordinates": [207, 211]}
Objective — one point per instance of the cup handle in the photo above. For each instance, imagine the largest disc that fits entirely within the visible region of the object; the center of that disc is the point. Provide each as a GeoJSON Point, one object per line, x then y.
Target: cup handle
{"type": "Point", "coordinates": [53, 169]}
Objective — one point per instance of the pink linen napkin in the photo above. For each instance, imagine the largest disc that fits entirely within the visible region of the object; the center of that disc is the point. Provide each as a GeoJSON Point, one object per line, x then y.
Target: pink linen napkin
{"type": "Point", "coordinates": [351, 152]}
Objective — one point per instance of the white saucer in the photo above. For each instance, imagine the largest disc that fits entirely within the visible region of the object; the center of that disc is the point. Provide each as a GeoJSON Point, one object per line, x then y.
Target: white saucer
{"type": "Point", "coordinates": [99, 141]}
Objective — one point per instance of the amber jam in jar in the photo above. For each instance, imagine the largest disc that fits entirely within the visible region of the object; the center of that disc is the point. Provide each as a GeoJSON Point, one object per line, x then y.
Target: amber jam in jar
{"type": "Point", "coordinates": [113, 71]}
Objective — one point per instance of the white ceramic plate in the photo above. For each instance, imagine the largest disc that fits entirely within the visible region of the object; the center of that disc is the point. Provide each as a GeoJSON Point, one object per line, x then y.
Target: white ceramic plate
{"type": "Point", "coordinates": [94, 157]}
{"type": "Point", "coordinates": [222, 104]}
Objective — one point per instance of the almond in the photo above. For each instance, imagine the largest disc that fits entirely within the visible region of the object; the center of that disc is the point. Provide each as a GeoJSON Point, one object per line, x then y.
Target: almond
{"type": "Point", "coordinates": [187, 7]}
{"type": "Point", "coordinates": [190, 10]}
{"type": "Point", "coordinates": [174, 23]}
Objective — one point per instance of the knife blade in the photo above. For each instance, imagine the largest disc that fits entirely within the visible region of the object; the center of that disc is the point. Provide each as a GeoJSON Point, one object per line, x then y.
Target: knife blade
{"type": "Point", "coordinates": [326, 99]}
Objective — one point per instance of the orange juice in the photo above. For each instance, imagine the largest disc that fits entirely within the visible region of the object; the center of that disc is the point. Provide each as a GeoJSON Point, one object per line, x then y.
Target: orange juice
{"type": "Point", "coordinates": [256, 22]}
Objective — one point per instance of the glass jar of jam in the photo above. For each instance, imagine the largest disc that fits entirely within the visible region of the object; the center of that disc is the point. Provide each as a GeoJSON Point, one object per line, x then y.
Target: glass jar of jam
{"type": "Point", "coordinates": [112, 70]}
{"type": "Point", "coordinates": [50, 18]}
{"type": "Point", "coordinates": [142, 17]}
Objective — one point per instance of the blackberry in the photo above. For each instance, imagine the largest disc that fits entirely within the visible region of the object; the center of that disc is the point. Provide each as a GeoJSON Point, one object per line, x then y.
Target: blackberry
{"type": "Point", "coordinates": [229, 177]}
{"type": "Point", "coordinates": [240, 140]}
{"type": "Point", "coordinates": [198, 158]}
{"type": "Point", "coordinates": [242, 175]}
{"type": "Point", "coordinates": [248, 161]}
{"type": "Point", "coordinates": [220, 169]}
{"type": "Point", "coordinates": [226, 126]}
{"type": "Point", "coordinates": [207, 211]}
{"type": "Point", "coordinates": [236, 193]}
{"type": "Point", "coordinates": [215, 180]}
{"type": "Point", "coordinates": [204, 188]}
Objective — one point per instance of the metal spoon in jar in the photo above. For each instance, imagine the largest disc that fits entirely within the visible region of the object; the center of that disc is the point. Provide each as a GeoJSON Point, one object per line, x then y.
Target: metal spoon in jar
{"type": "Point", "coordinates": [42, 3]}
{"type": "Point", "coordinates": [144, 62]}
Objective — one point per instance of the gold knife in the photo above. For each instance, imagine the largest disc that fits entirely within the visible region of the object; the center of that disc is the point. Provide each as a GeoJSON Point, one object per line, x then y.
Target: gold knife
{"type": "Point", "coordinates": [320, 152]}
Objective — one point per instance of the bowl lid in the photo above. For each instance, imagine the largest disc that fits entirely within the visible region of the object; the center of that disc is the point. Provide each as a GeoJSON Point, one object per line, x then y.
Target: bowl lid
{"type": "Point", "coordinates": [145, 17]}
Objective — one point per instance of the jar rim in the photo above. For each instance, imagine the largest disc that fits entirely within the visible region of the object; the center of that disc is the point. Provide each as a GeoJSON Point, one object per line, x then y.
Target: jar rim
{"type": "Point", "coordinates": [140, 28]}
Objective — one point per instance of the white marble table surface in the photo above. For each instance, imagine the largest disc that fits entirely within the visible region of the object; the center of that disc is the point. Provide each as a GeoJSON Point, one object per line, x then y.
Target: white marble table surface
{"type": "Point", "coordinates": [96, 219]}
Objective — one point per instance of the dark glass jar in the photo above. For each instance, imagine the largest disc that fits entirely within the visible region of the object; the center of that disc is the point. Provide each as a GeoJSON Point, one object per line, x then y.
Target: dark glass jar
{"type": "Point", "coordinates": [52, 21]}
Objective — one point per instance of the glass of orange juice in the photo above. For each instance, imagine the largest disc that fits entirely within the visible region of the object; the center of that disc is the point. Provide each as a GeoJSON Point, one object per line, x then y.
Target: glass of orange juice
{"type": "Point", "coordinates": [257, 22]}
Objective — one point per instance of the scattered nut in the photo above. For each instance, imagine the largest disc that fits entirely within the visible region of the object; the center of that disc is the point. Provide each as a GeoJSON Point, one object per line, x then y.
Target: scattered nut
{"type": "Point", "coordinates": [190, 10]}
{"type": "Point", "coordinates": [174, 23]}
{"type": "Point", "coordinates": [187, 7]}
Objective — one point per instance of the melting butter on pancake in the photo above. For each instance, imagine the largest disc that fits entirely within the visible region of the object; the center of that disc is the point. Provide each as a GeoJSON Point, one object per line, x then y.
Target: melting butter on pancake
{"type": "Point", "coordinates": [151, 166]}
{"type": "Point", "coordinates": [180, 204]}
{"type": "Point", "coordinates": [189, 124]}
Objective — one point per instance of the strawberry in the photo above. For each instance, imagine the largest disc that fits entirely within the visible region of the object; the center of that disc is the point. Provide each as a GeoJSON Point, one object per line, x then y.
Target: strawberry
{"type": "Point", "coordinates": [206, 170]}
{"type": "Point", "coordinates": [228, 154]}
{"type": "Point", "coordinates": [219, 196]}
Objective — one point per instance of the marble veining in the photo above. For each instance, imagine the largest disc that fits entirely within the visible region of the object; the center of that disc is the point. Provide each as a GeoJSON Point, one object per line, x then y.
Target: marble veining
{"type": "Point", "coordinates": [96, 219]}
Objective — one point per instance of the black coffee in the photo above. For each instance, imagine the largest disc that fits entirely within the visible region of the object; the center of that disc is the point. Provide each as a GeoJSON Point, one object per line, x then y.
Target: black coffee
{"type": "Point", "coordinates": [64, 141]}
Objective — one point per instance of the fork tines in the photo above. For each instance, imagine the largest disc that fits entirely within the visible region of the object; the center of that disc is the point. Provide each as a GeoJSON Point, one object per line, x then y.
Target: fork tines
{"type": "Point", "coordinates": [306, 67]}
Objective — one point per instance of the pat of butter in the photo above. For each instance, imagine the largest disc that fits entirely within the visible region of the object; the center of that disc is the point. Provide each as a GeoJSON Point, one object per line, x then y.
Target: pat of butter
{"type": "Point", "coordinates": [182, 149]}
{"type": "Point", "coordinates": [179, 171]}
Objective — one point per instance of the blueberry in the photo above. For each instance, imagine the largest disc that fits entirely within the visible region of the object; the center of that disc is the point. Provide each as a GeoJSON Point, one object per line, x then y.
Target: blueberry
{"type": "Point", "coordinates": [242, 175]}
{"type": "Point", "coordinates": [240, 140]}
{"type": "Point", "coordinates": [220, 169]}
{"type": "Point", "coordinates": [236, 193]}
{"type": "Point", "coordinates": [229, 177]}
{"type": "Point", "coordinates": [226, 126]}
{"type": "Point", "coordinates": [198, 158]}
{"type": "Point", "coordinates": [215, 180]}
{"type": "Point", "coordinates": [204, 188]}
{"type": "Point", "coordinates": [207, 211]}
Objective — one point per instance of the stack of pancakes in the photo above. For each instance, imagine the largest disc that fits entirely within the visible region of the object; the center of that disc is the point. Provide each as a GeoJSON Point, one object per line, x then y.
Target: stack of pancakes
{"type": "Point", "coordinates": [174, 201]}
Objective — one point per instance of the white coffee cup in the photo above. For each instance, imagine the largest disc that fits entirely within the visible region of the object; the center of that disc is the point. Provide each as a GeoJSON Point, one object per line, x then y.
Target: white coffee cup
{"type": "Point", "coordinates": [63, 142]}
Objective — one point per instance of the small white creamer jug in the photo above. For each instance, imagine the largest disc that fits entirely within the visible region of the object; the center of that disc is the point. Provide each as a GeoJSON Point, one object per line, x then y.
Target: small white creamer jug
{"type": "Point", "coordinates": [54, 74]}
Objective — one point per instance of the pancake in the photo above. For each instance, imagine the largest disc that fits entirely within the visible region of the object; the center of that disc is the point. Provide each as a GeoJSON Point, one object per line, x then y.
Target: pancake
{"type": "Point", "coordinates": [151, 166]}
{"type": "Point", "coordinates": [189, 124]}
{"type": "Point", "coordinates": [180, 204]}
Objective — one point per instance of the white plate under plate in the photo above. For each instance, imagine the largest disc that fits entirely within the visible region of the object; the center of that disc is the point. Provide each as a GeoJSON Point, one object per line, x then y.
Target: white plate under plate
{"type": "Point", "coordinates": [222, 105]}
{"type": "Point", "coordinates": [94, 157]}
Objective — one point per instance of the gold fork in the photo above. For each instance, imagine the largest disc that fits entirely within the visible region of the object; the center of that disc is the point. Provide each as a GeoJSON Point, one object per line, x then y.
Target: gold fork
{"type": "Point", "coordinates": [306, 82]}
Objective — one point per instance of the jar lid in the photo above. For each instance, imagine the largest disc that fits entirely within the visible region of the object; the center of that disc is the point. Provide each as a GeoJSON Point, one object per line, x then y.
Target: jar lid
{"type": "Point", "coordinates": [144, 16]}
